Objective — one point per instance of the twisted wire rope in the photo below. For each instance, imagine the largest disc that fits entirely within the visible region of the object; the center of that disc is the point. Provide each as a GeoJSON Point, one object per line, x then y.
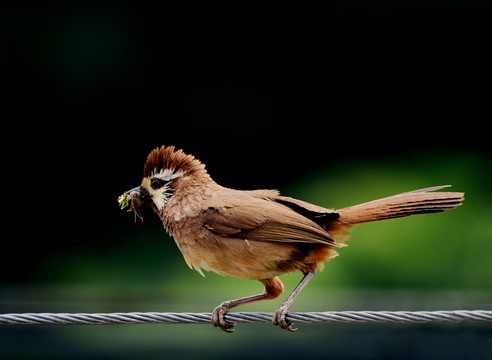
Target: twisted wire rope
{"type": "Point", "coordinates": [243, 317]}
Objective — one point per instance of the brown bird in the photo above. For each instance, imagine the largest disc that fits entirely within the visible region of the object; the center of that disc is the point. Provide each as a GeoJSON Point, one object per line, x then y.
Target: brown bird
{"type": "Point", "coordinates": [257, 234]}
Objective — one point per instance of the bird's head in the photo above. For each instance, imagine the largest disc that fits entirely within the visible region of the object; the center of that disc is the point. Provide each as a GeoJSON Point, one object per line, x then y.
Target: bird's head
{"type": "Point", "coordinates": [166, 172]}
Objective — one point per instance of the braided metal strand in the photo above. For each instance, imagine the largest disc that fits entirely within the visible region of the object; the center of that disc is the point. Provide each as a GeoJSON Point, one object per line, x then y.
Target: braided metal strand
{"type": "Point", "coordinates": [392, 316]}
{"type": "Point", "coordinates": [244, 317]}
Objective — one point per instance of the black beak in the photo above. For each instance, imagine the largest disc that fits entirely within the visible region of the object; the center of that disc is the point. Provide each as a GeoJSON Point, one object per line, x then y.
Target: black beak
{"type": "Point", "coordinates": [143, 193]}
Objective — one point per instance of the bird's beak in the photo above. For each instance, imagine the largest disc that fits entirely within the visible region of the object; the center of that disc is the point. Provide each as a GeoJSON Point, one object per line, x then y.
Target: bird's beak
{"type": "Point", "coordinates": [139, 190]}
{"type": "Point", "coordinates": [133, 198]}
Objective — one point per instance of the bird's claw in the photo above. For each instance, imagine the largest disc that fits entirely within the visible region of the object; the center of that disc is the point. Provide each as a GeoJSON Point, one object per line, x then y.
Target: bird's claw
{"type": "Point", "coordinates": [218, 317]}
{"type": "Point", "coordinates": [280, 320]}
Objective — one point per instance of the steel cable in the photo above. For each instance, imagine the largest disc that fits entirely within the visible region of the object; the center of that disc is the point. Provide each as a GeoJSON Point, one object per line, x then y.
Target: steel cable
{"type": "Point", "coordinates": [242, 317]}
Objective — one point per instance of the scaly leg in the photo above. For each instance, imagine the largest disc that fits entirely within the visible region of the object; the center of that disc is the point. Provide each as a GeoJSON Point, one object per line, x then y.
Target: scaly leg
{"type": "Point", "coordinates": [273, 289]}
{"type": "Point", "coordinates": [279, 316]}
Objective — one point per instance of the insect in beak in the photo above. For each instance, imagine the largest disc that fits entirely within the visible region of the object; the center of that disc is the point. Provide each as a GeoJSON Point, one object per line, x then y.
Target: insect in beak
{"type": "Point", "coordinates": [134, 199]}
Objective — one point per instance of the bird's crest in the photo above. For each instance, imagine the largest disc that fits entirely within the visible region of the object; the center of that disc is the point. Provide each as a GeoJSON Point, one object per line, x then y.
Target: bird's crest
{"type": "Point", "coordinates": [167, 158]}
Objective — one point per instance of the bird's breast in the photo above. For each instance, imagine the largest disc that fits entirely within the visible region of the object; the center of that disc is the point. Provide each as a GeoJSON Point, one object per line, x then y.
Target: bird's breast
{"type": "Point", "coordinates": [241, 258]}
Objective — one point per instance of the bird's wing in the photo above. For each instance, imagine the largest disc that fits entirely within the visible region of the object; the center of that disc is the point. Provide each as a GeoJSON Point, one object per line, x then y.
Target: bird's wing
{"type": "Point", "coordinates": [318, 214]}
{"type": "Point", "coordinates": [228, 217]}
{"type": "Point", "coordinates": [262, 219]}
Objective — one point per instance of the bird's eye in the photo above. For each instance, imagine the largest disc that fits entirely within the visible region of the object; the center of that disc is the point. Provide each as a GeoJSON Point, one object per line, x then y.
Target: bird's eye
{"type": "Point", "coordinates": [157, 183]}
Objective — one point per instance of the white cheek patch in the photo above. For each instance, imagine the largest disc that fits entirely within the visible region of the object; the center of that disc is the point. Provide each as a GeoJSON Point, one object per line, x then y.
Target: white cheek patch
{"type": "Point", "coordinates": [162, 195]}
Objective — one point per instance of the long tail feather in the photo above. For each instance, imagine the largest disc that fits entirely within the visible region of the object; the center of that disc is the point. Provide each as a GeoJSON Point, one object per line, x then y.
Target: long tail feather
{"type": "Point", "coordinates": [422, 201]}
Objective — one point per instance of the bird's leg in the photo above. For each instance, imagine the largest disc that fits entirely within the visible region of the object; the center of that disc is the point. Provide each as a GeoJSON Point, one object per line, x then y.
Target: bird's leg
{"type": "Point", "coordinates": [222, 309]}
{"type": "Point", "coordinates": [273, 289]}
{"type": "Point", "coordinates": [279, 316]}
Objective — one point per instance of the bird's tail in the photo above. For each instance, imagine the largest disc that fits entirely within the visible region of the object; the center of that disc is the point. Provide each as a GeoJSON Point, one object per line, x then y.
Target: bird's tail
{"type": "Point", "coordinates": [422, 201]}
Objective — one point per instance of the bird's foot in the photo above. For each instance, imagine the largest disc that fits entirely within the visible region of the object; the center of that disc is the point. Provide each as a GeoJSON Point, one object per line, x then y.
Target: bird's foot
{"type": "Point", "coordinates": [218, 317]}
{"type": "Point", "coordinates": [279, 317]}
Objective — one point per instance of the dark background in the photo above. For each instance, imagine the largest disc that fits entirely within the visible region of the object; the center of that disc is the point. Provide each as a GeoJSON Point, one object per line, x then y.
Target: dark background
{"type": "Point", "coordinates": [260, 92]}
{"type": "Point", "coordinates": [265, 94]}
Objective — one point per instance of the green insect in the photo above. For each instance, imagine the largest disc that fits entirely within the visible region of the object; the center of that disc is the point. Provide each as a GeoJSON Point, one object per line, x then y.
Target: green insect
{"type": "Point", "coordinates": [133, 201]}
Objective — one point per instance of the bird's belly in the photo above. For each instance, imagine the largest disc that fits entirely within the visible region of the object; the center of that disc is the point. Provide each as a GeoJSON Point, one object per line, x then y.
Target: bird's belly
{"type": "Point", "coordinates": [242, 258]}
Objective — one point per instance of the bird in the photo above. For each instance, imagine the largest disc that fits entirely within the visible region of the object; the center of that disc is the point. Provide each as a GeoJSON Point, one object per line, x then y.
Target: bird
{"type": "Point", "coordinates": [257, 234]}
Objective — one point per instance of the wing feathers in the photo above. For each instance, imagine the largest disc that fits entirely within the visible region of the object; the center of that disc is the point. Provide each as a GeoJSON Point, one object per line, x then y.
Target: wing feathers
{"type": "Point", "coordinates": [262, 219]}
{"type": "Point", "coordinates": [285, 225]}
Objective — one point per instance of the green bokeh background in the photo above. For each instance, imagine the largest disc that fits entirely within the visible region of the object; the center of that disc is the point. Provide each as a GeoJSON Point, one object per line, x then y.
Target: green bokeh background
{"type": "Point", "coordinates": [336, 104]}
{"type": "Point", "coordinates": [429, 262]}
{"type": "Point", "coordinates": [438, 251]}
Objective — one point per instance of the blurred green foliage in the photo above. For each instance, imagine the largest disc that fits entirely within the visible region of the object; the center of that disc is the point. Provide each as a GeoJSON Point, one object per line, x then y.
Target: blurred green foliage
{"type": "Point", "coordinates": [445, 250]}
{"type": "Point", "coordinates": [438, 261]}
